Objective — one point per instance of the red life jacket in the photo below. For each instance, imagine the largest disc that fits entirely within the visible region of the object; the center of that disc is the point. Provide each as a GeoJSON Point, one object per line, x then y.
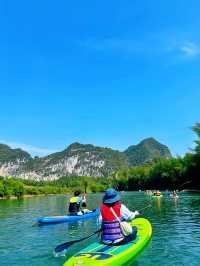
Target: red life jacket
{"type": "Point", "coordinates": [106, 213]}
{"type": "Point", "coordinates": [111, 231]}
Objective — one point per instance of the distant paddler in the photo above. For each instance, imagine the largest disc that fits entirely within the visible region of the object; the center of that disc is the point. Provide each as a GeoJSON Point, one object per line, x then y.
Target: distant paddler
{"type": "Point", "coordinates": [174, 195]}
{"type": "Point", "coordinates": [157, 194]}
{"type": "Point", "coordinates": [78, 205]}
{"type": "Point", "coordinates": [75, 204]}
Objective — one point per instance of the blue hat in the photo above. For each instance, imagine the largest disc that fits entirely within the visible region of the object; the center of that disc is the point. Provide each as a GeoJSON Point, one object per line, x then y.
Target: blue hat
{"type": "Point", "coordinates": [111, 196]}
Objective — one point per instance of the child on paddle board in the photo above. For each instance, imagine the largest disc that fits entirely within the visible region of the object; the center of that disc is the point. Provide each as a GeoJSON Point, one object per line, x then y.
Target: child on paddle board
{"type": "Point", "coordinates": [113, 213]}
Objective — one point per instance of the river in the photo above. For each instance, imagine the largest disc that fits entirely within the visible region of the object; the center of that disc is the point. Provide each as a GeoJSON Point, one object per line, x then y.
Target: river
{"type": "Point", "coordinates": [175, 241]}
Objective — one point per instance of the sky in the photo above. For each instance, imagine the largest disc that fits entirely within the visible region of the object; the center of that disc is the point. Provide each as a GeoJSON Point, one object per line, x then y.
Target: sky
{"type": "Point", "coordinates": [109, 73]}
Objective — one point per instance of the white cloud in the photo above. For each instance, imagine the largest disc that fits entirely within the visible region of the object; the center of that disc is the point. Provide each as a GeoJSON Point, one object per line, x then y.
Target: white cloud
{"type": "Point", "coordinates": [151, 45]}
{"type": "Point", "coordinates": [34, 151]}
{"type": "Point", "coordinates": [190, 49]}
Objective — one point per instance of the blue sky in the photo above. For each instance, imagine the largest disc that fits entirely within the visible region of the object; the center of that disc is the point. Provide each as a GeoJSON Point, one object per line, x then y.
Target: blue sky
{"type": "Point", "coordinates": [108, 73]}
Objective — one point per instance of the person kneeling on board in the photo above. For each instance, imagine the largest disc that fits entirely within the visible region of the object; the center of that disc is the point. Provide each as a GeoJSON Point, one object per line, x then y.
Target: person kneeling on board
{"type": "Point", "coordinates": [115, 229]}
{"type": "Point", "coordinates": [74, 204]}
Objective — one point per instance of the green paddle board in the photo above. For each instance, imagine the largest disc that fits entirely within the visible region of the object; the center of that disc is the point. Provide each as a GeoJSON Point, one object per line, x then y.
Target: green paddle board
{"type": "Point", "coordinates": [98, 254]}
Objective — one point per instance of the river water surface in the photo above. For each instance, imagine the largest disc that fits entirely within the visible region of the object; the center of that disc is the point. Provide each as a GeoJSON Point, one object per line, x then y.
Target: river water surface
{"type": "Point", "coordinates": [175, 241]}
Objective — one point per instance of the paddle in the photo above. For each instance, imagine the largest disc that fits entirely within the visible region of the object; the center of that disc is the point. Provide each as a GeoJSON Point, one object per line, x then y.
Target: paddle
{"type": "Point", "coordinates": [185, 184]}
{"type": "Point", "coordinates": [148, 206]}
{"type": "Point", "coordinates": [66, 245]}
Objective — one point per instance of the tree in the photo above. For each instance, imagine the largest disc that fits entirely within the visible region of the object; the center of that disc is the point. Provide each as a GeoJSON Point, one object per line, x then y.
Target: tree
{"type": "Point", "coordinates": [196, 130]}
{"type": "Point", "coordinates": [1, 188]}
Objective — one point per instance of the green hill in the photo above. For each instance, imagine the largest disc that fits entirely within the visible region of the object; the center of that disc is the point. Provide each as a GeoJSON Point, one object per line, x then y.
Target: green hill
{"type": "Point", "coordinates": [146, 151]}
{"type": "Point", "coordinates": [7, 154]}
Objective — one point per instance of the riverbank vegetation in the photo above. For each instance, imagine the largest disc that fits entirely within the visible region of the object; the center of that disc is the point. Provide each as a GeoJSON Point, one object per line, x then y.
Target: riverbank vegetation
{"type": "Point", "coordinates": [175, 173]}
{"type": "Point", "coordinates": [10, 187]}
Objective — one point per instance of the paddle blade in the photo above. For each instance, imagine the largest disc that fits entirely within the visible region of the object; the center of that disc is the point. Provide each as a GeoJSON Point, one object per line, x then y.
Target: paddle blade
{"type": "Point", "coordinates": [63, 246]}
{"type": "Point", "coordinates": [59, 254]}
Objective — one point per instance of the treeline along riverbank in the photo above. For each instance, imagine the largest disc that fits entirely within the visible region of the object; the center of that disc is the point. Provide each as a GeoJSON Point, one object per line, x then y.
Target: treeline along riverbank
{"type": "Point", "coordinates": [10, 186]}
{"type": "Point", "coordinates": [175, 173]}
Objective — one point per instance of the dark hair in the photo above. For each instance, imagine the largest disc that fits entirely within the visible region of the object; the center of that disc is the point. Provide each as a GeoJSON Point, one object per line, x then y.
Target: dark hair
{"type": "Point", "coordinates": [77, 193]}
{"type": "Point", "coordinates": [84, 205]}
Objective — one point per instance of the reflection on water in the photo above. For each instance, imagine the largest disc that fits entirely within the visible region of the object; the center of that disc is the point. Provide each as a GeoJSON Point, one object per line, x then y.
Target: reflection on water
{"type": "Point", "coordinates": [176, 230]}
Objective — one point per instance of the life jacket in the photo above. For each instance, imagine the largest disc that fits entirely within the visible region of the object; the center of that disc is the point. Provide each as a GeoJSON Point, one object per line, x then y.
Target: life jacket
{"type": "Point", "coordinates": [111, 230]}
{"type": "Point", "coordinates": [74, 205]}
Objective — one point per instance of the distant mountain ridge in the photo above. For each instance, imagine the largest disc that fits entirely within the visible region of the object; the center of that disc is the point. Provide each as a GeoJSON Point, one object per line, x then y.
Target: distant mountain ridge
{"type": "Point", "coordinates": [78, 159]}
{"type": "Point", "coordinates": [7, 154]}
{"type": "Point", "coordinates": [146, 151]}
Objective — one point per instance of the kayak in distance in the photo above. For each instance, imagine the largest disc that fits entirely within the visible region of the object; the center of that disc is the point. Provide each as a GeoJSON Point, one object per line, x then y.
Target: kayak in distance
{"type": "Point", "coordinates": [154, 196]}
{"type": "Point", "coordinates": [174, 197]}
{"type": "Point", "coordinates": [99, 254]}
{"type": "Point", "coordinates": [68, 218]}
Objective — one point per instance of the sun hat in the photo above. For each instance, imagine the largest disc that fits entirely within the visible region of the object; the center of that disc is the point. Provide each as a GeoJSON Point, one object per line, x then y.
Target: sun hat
{"type": "Point", "coordinates": [111, 196]}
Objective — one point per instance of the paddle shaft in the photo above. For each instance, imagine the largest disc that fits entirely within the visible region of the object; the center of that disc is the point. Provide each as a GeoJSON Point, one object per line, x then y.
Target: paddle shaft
{"type": "Point", "coordinates": [145, 208]}
{"type": "Point", "coordinates": [185, 183]}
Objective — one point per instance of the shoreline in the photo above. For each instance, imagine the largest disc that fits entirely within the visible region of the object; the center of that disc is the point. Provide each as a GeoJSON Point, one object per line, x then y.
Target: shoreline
{"type": "Point", "coordinates": [30, 196]}
{"type": "Point", "coordinates": [27, 196]}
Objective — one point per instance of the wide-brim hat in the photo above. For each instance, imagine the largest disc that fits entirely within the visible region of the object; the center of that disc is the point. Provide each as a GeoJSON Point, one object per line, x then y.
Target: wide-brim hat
{"type": "Point", "coordinates": [111, 196]}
